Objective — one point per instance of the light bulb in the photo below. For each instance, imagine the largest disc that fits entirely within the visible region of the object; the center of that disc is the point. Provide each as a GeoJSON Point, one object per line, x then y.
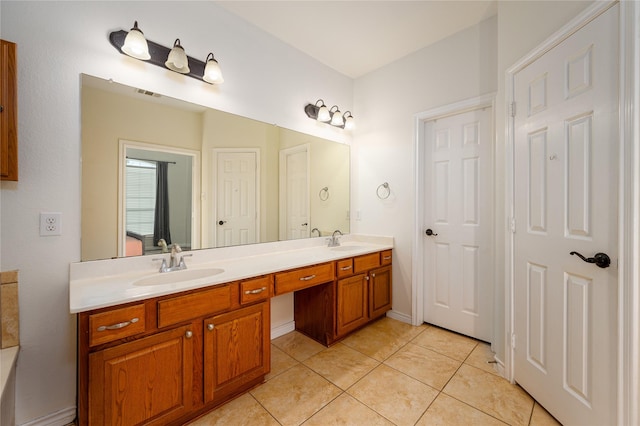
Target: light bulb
{"type": "Point", "coordinates": [135, 45]}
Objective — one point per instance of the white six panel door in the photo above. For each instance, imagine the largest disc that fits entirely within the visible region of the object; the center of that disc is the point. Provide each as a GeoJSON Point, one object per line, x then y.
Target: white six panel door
{"type": "Point", "coordinates": [566, 200]}
{"type": "Point", "coordinates": [458, 288]}
{"type": "Point", "coordinates": [236, 198]}
{"type": "Point", "coordinates": [294, 196]}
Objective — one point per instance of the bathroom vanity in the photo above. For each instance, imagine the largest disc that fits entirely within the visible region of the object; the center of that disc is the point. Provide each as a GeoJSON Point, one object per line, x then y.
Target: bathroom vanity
{"type": "Point", "coordinates": [153, 351]}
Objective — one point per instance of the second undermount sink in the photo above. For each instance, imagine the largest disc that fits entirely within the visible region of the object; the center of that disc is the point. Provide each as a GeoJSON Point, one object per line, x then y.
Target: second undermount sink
{"type": "Point", "coordinates": [177, 276]}
{"type": "Point", "coordinates": [347, 248]}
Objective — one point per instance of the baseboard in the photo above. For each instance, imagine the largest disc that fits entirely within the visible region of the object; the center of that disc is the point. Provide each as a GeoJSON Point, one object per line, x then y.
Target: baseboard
{"type": "Point", "coordinates": [399, 316]}
{"type": "Point", "coordinates": [59, 418]}
{"type": "Point", "coordinates": [283, 329]}
{"type": "Point", "coordinates": [499, 366]}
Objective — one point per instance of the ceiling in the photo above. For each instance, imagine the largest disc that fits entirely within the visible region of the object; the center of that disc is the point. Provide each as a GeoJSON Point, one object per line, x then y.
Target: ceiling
{"type": "Point", "coordinates": [357, 37]}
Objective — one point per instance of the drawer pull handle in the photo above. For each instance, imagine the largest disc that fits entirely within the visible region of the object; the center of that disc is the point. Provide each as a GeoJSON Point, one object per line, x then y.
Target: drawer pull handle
{"type": "Point", "coordinates": [256, 291]}
{"type": "Point", "coordinates": [188, 334]}
{"type": "Point", "coordinates": [307, 278]}
{"type": "Point", "coordinates": [210, 327]}
{"type": "Point", "coordinates": [118, 325]}
{"type": "Point", "coordinates": [345, 268]}
{"type": "Point", "coordinates": [387, 258]}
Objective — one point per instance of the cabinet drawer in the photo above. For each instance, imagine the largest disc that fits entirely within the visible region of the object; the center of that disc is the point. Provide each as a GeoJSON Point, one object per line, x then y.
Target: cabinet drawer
{"type": "Point", "coordinates": [344, 267]}
{"type": "Point", "coordinates": [304, 277]}
{"type": "Point", "coordinates": [183, 308]}
{"type": "Point", "coordinates": [116, 324]}
{"type": "Point", "coordinates": [368, 261]}
{"type": "Point", "coordinates": [255, 289]}
{"type": "Point", "coordinates": [385, 257]}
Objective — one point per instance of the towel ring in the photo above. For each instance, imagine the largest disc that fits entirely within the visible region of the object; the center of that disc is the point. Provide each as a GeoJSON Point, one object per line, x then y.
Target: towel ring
{"type": "Point", "coordinates": [386, 191]}
{"type": "Point", "coordinates": [324, 193]}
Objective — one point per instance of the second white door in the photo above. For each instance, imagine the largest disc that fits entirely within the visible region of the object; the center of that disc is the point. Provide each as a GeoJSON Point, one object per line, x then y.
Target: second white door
{"type": "Point", "coordinates": [457, 229]}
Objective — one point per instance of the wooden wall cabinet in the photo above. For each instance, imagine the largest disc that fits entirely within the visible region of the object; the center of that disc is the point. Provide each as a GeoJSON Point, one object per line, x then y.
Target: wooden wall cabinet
{"type": "Point", "coordinates": [8, 111]}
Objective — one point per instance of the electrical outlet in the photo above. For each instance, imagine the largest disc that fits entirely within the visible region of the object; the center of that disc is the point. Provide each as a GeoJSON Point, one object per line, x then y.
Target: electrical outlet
{"type": "Point", "coordinates": [50, 224]}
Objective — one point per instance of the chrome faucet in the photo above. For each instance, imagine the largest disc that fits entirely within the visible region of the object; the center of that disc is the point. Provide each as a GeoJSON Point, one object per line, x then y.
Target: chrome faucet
{"type": "Point", "coordinates": [333, 241]}
{"type": "Point", "coordinates": [174, 263]}
{"type": "Point", "coordinates": [175, 249]}
{"type": "Point", "coordinates": [315, 230]}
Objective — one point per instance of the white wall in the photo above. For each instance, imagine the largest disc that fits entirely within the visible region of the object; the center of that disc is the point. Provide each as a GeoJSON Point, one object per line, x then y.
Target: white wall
{"type": "Point", "coordinates": [459, 67]}
{"type": "Point", "coordinates": [264, 79]}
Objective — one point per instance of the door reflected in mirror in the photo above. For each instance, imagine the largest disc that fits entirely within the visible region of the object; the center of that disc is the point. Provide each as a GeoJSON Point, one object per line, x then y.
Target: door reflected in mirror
{"type": "Point", "coordinates": [244, 188]}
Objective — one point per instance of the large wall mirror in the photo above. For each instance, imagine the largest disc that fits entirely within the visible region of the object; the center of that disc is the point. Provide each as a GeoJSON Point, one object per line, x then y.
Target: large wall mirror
{"type": "Point", "coordinates": [158, 170]}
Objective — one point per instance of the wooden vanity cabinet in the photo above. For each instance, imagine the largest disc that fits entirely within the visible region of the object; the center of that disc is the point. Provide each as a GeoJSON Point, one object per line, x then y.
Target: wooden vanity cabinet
{"type": "Point", "coordinates": [351, 304]}
{"type": "Point", "coordinates": [8, 111]}
{"type": "Point", "coordinates": [359, 293]}
{"type": "Point", "coordinates": [146, 381]}
{"type": "Point", "coordinates": [237, 351]}
{"type": "Point", "coordinates": [168, 359]}
{"type": "Point", "coordinates": [165, 360]}
{"type": "Point", "coordinates": [379, 291]}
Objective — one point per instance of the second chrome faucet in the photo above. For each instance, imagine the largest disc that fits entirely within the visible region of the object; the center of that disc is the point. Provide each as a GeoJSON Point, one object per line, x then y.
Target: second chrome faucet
{"type": "Point", "coordinates": [174, 263]}
{"type": "Point", "coordinates": [334, 241]}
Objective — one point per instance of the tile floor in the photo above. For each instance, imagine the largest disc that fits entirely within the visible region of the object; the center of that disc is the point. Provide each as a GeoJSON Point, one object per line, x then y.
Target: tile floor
{"type": "Point", "coordinates": [389, 373]}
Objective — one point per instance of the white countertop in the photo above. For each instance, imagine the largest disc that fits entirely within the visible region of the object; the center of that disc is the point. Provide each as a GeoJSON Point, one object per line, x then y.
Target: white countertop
{"type": "Point", "coordinates": [103, 283]}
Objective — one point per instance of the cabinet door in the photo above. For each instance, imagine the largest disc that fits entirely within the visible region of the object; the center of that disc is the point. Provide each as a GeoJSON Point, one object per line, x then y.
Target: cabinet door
{"type": "Point", "coordinates": [352, 303]}
{"type": "Point", "coordinates": [237, 350]}
{"type": "Point", "coordinates": [8, 111]}
{"type": "Point", "coordinates": [145, 381]}
{"type": "Point", "coordinates": [379, 291]}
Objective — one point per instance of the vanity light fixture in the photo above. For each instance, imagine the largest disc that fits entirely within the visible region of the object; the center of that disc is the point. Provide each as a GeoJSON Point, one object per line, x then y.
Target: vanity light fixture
{"type": "Point", "coordinates": [333, 116]}
{"type": "Point", "coordinates": [348, 121]}
{"type": "Point", "coordinates": [134, 44]}
{"type": "Point", "coordinates": [336, 117]}
{"type": "Point", "coordinates": [212, 72]}
{"type": "Point", "coordinates": [177, 60]}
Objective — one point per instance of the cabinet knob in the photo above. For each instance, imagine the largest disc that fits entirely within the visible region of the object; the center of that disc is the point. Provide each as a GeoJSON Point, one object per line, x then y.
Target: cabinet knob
{"type": "Point", "coordinates": [373, 275]}
{"type": "Point", "coordinates": [188, 334]}
{"type": "Point", "coordinates": [210, 327]}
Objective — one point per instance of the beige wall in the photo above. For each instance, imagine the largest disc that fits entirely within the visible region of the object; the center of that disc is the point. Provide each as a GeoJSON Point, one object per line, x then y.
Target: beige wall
{"type": "Point", "coordinates": [106, 120]}
{"type": "Point", "coordinates": [222, 130]}
{"type": "Point", "coordinates": [329, 167]}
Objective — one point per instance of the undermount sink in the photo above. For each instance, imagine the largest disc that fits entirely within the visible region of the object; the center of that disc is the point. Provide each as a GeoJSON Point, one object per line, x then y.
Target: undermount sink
{"type": "Point", "coordinates": [177, 276]}
{"type": "Point", "coordinates": [347, 248]}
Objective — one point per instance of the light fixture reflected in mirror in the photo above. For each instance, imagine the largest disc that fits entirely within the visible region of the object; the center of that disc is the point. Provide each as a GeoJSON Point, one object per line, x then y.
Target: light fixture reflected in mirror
{"type": "Point", "coordinates": [135, 45]}
{"type": "Point", "coordinates": [333, 116]}
{"type": "Point", "coordinates": [177, 60]}
{"type": "Point", "coordinates": [212, 72]}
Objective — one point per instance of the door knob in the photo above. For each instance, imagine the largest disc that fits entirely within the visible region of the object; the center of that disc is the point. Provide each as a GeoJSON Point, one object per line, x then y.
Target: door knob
{"type": "Point", "coordinates": [600, 259]}
{"type": "Point", "coordinates": [222, 222]}
{"type": "Point", "coordinates": [430, 233]}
